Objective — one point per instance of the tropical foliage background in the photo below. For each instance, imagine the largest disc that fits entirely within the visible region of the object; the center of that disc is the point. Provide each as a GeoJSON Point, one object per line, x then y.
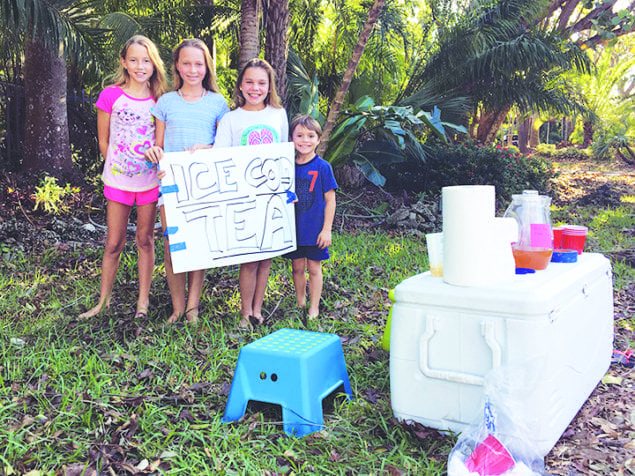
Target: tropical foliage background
{"type": "Point", "coordinates": [385, 75]}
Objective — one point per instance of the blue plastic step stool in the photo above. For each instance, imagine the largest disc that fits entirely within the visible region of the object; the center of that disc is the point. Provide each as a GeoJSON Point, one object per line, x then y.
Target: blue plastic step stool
{"type": "Point", "coordinates": [291, 368]}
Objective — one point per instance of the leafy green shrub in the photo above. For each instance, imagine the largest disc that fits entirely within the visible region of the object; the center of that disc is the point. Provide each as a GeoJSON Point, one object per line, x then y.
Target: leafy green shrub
{"type": "Point", "coordinates": [473, 164]}
{"type": "Point", "coordinates": [546, 150]}
{"type": "Point", "coordinates": [609, 142]}
{"type": "Point", "coordinates": [52, 197]}
{"type": "Point", "coordinates": [571, 153]}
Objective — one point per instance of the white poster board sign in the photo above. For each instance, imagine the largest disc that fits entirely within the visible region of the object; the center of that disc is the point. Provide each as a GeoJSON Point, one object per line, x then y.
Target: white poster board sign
{"type": "Point", "coordinates": [229, 205]}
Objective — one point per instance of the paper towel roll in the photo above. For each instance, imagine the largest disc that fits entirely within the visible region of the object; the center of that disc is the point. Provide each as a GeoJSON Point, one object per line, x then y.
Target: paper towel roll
{"type": "Point", "coordinates": [468, 215]}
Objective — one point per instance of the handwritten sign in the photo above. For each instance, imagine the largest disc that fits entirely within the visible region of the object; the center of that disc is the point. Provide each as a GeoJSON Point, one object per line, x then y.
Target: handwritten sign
{"type": "Point", "coordinates": [229, 205]}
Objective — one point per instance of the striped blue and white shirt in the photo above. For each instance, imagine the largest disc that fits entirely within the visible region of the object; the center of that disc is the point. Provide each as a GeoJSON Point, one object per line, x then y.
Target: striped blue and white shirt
{"type": "Point", "coordinates": [189, 123]}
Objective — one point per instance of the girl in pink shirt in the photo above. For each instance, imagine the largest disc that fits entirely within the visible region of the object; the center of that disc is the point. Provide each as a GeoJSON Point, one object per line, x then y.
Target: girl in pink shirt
{"type": "Point", "coordinates": [125, 129]}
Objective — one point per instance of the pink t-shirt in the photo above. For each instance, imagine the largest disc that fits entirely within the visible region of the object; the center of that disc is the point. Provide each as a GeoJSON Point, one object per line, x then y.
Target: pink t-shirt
{"type": "Point", "coordinates": [131, 133]}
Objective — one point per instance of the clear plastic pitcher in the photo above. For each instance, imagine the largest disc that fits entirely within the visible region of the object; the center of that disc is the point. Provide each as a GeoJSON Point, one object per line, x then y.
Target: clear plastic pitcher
{"type": "Point", "coordinates": [534, 246]}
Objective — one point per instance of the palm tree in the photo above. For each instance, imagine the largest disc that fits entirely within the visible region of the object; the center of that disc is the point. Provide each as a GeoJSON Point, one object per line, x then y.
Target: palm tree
{"type": "Point", "coordinates": [497, 57]}
{"type": "Point", "coordinates": [306, 18]}
{"type": "Point", "coordinates": [373, 15]}
{"type": "Point", "coordinates": [277, 41]}
{"type": "Point", "coordinates": [249, 41]}
{"type": "Point", "coordinates": [53, 31]}
{"type": "Point", "coordinates": [598, 90]}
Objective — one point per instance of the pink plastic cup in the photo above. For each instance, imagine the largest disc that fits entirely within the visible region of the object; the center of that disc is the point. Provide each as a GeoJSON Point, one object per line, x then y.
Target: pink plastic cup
{"type": "Point", "coordinates": [557, 237]}
{"type": "Point", "coordinates": [574, 237]}
{"type": "Point", "coordinates": [490, 458]}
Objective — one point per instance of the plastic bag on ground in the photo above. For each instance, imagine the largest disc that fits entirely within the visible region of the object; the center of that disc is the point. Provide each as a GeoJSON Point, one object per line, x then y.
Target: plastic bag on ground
{"type": "Point", "coordinates": [499, 441]}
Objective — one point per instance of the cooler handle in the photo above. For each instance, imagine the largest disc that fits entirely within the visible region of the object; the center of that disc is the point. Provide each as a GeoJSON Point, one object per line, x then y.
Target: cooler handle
{"type": "Point", "coordinates": [432, 326]}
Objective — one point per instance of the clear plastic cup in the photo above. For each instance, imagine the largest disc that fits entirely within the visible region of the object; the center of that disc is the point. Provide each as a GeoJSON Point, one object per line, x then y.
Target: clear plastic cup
{"type": "Point", "coordinates": [434, 242]}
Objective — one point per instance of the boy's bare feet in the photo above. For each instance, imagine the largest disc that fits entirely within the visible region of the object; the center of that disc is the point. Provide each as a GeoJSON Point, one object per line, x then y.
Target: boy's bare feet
{"type": "Point", "coordinates": [313, 314]}
{"type": "Point", "coordinates": [94, 311]}
{"type": "Point", "coordinates": [173, 318]}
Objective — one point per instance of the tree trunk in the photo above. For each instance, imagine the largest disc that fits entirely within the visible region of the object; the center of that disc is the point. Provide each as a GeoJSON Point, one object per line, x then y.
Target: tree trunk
{"type": "Point", "coordinates": [588, 134]}
{"type": "Point", "coordinates": [489, 124]}
{"type": "Point", "coordinates": [524, 133]}
{"type": "Point", "coordinates": [629, 160]}
{"type": "Point", "coordinates": [567, 129]}
{"type": "Point", "coordinates": [373, 15]}
{"type": "Point", "coordinates": [534, 136]}
{"type": "Point", "coordinates": [46, 139]}
{"type": "Point", "coordinates": [249, 41]}
{"type": "Point", "coordinates": [208, 38]}
{"type": "Point", "coordinates": [277, 42]}
{"type": "Point", "coordinates": [572, 21]}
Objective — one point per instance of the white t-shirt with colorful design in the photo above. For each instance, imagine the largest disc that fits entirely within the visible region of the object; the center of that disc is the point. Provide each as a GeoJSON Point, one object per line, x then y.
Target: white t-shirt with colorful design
{"type": "Point", "coordinates": [241, 127]}
{"type": "Point", "coordinates": [131, 133]}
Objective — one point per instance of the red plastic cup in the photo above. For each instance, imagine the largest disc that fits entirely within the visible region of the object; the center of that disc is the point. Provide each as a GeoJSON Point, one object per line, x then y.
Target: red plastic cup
{"type": "Point", "coordinates": [574, 237]}
{"type": "Point", "coordinates": [490, 458]}
{"type": "Point", "coordinates": [557, 237]}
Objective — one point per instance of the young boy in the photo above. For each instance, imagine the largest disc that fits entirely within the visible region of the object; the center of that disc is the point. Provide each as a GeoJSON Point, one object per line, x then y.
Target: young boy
{"type": "Point", "coordinates": [314, 211]}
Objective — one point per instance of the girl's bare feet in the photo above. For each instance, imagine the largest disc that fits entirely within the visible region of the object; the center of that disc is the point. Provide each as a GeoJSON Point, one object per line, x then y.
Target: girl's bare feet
{"type": "Point", "coordinates": [245, 322]}
{"type": "Point", "coordinates": [313, 313]}
{"type": "Point", "coordinates": [94, 311]}
{"type": "Point", "coordinates": [191, 316]}
{"type": "Point", "coordinates": [142, 313]}
{"type": "Point", "coordinates": [256, 320]}
{"type": "Point", "coordinates": [173, 318]}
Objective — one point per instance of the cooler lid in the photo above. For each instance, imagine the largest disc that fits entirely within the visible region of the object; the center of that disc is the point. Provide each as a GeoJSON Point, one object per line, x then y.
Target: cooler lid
{"type": "Point", "coordinates": [525, 294]}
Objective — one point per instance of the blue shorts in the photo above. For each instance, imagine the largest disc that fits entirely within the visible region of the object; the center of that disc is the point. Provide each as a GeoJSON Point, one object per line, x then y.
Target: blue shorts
{"type": "Point", "coordinates": [314, 253]}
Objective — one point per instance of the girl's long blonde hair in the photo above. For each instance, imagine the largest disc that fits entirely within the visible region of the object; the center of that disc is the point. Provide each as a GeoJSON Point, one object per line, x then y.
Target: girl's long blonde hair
{"type": "Point", "coordinates": [209, 81]}
{"type": "Point", "coordinates": [271, 98]}
{"type": "Point", "coordinates": [157, 83]}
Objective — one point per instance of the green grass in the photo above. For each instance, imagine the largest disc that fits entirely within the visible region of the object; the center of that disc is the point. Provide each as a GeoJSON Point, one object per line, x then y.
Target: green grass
{"type": "Point", "coordinates": [109, 392]}
{"type": "Point", "coordinates": [113, 394]}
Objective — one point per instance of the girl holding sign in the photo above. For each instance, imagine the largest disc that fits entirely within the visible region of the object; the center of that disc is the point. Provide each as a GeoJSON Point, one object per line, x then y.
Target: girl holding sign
{"type": "Point", "coordinates": [258, 118]}
{"type": "Point", "coordinates": [186, 119]}
{"type": "Point", "coordinates": [125, 129]}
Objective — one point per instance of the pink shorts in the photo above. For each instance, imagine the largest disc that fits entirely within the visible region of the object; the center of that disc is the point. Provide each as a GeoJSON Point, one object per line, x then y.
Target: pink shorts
{"type": "Point", "coordinates": [129, 198]}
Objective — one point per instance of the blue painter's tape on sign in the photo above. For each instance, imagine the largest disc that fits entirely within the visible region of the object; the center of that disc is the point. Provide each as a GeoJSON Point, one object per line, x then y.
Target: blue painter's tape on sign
{"type": "Point", "coordinates": [170, 230]}
{"type": "Point", "coordinates": [177, 246]}
{"type": "Point", "coordinates": [291, 197]}
{"type": "Point", "coordinates": [169, 189]}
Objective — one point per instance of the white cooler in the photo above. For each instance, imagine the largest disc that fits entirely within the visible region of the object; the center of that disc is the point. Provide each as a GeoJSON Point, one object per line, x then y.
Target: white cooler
{"type": "Point", "coordinates": [445, 338]}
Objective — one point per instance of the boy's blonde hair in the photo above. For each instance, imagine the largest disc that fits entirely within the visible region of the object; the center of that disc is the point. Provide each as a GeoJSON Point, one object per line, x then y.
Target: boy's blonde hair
{"type": "Point", "coordinates": [306, 121]}
{"type": "Point", "coordinates": [272, 98]}
{"type": "Point", "coordinates": [209, 81]}
{"type": "Point", "coordinates": [157, 83]}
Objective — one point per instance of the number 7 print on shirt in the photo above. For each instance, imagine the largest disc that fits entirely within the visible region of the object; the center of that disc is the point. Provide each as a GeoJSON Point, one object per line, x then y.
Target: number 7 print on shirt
{"type": "Point", "coordinates": [314, 174]}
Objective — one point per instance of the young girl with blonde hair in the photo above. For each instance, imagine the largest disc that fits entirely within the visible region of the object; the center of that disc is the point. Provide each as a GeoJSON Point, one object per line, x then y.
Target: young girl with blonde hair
{"type": "Point", "coordinates": [186, 120]}
{"type": "Point", "coordinates": [126, 129]}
